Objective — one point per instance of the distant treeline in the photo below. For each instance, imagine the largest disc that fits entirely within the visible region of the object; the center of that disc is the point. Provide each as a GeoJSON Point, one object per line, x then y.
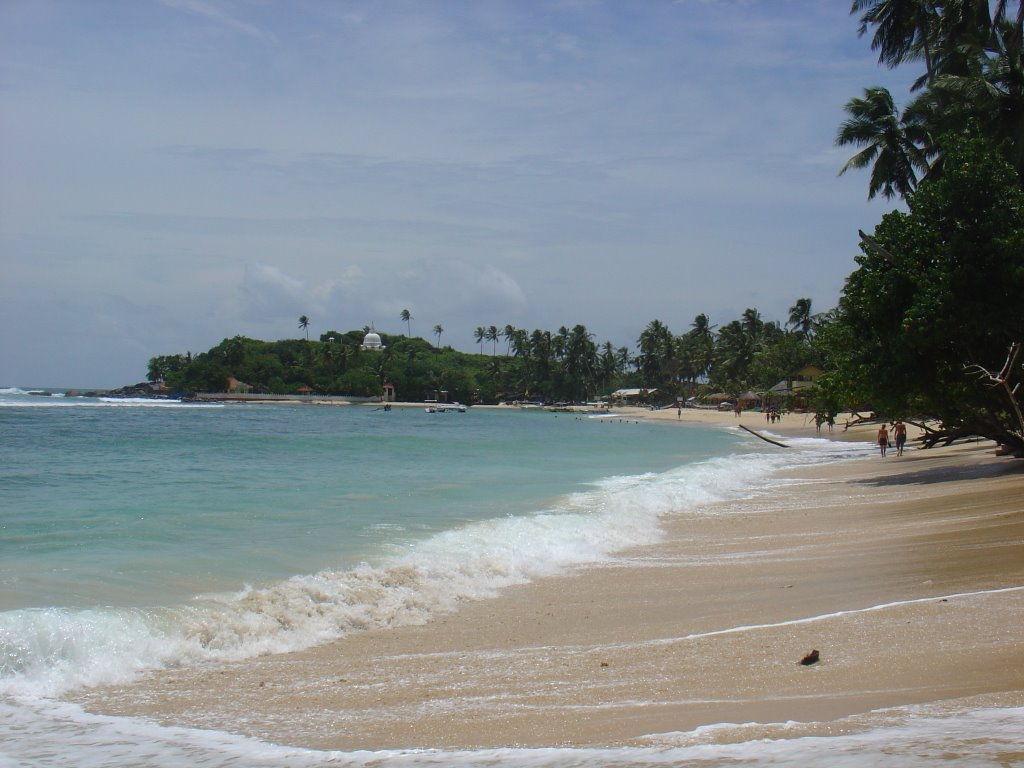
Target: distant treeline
{"type": "Point", "coordinates": [566, 365]}
{"type": "Point", "coordinates": [928, 325]}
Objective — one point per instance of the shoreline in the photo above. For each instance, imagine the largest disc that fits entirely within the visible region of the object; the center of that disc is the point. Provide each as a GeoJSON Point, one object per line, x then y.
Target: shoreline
{"type": "Point", "coordinates": [907, 574]}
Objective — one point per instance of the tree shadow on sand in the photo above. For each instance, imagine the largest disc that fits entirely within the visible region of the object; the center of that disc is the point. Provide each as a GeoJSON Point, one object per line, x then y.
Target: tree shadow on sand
{"type": "Point", "coordinates": [946, 474]}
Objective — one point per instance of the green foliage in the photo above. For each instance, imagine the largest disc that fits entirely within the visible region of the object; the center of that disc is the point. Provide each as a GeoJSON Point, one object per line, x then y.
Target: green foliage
{"type": "Point", "coordinates": [937, 290]}
{"type": "Point", "coordinates": [974, 75]}
{"type": "Point", "coordinates": [336, 364]}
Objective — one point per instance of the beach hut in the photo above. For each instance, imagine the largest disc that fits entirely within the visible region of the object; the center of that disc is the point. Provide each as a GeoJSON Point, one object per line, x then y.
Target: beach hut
{"type": "Point", "coordinates": [749, 398]}
{"type": "Point", "coordinates": [631, 396]}
{"type": "Point", "coordinates": [716, 397]}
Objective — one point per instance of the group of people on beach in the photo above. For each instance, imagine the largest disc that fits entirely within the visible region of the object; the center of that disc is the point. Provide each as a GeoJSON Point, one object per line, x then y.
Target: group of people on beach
{"type": "Point", "coordinates": [820, 419]}
{"type": "Point", "coordinates": [899, 433]}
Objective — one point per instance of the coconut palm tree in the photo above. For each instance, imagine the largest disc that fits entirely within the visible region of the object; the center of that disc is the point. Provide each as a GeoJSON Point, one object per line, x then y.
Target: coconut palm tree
{"type": "Point", "coordinates": [623, 359]}
{"type": "Point", "coordinates": [438, 330]}
{"type": "Point", "coordinates": [480, 334]}
{"type": "Point", "coordinates": [992, 95]}
{"type": "Point", "coordinates": [560, 342]}
{"type": "Point", "coordinates": [656, 351]}
{"type": "Point", "coordinates": [608, 364]}
{"type": "Point", "coordinates": [581, 362]}
{"type": "Point", "coordinates": [304, 325]}
{"type": "Point", "coordinates": [406, 317]}
{"type": "Point", "coordinates": [702, 345]}
{"type": "Point", "coordinates": [904, 29]}
{"type": "Point", "coordinates": [493, 335]}
{"type": "Point", "coordinates": [508, 333]}
{"type": "Point", "coordinates": [800, 317]}
{"type": "Point", "coordinates": [520, 344]}
{"type": "Point", "coordinates": [753, 325]}
{"type": "Point", "coordinates": [972, 53]}
{"type": "Point", "coordinates": [893, 147]}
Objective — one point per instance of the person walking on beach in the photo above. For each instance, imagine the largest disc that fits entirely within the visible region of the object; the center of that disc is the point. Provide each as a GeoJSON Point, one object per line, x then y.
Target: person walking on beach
{"type": "Point", "coordinates": [899, 431]}
{"type": "Point", "coordinates": [883, 439]}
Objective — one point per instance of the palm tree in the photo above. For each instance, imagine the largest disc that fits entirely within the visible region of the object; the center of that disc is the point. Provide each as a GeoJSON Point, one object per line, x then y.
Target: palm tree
{"type": "Point", "coordinates": [904, 29]}
{"type": "Point", "coordinates": [607, 364]}
{"type": "Point", "coordinates": [508, 333]}
{"type": "Point", "coordinates": [752, 324]}
{"type": "Point", "coordinates": [992, 94]}
{"type": "Point", "coordinates": [656, 351]}
{"type": "Point", "coordinates": [581, 362]}
{"type": "Point", "coordinates": [406, 317]}
{"type": "Point", "coordinates": [973, 55]}
{"type": "Point", "coordinates": [701, 345]}
{"type": "Point", "coordinates": [892, 146]}
{"type": "Point", "coordinates": [734, 352]}
{"type": "Point", "coordinates": [438, 330]}
{"type": "Point", "coordinates": [520, 343]}
{"type": "Point", "coordinates": [623, 359]}
{"type": "Point", "coordinates": [1000, 13]}
{"type": "Point", "coordinates": [800, 317]}
{"type": "Point", "coordinates": [493, 335]}
{"type": "Point", "coordinates": [480, 334]}
{"type": "Point", "coordinates": [304, 325]}
{"type": "Point", "coordinates": [561, 342]}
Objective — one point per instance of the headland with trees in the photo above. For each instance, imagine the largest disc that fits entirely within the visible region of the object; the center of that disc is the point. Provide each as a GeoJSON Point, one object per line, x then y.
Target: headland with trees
{"type": "Point", "coordinates": [928, 326]}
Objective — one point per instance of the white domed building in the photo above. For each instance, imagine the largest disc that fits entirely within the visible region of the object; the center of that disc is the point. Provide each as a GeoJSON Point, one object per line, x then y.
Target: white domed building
{"type": "Point", "coordinates": [371, 340]}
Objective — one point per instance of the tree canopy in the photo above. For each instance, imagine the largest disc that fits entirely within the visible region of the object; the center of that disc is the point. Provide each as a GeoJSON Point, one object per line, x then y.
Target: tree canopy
{"type": "Point", "coordinates": [936, 294]}
{"type": "Point", "coordinates": [973, 56]}
{"type": "Point", "coordinates": [567, 365]}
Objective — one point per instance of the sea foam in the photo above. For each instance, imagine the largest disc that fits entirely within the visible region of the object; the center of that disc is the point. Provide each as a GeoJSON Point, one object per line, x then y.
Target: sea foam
{"type": "Point", "coordinates": [54, 733]}
{"type": "Point", "coordinates": [52, 650]}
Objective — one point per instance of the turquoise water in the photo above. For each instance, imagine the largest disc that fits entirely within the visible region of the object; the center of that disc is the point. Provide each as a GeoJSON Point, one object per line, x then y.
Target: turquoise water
{"type": "Point", "coordinates": [134, 504]}
{"type": "Point", "coordinates": [138, 535]}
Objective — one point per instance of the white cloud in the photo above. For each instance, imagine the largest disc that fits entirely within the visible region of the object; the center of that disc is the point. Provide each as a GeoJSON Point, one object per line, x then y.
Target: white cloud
{"type": "Point", "coordinates": [271, 292]}
{"type": "Point", "coordinates": [215, 12]}
{"type": "Point", "coordinates": [524, 163]}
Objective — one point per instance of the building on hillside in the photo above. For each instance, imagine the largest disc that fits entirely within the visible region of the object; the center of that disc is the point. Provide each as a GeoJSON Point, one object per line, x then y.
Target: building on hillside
{"type": "Point", "coordinates": [372, 340]}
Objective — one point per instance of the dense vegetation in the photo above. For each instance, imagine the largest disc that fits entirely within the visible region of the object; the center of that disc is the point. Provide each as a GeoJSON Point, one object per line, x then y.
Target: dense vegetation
{"type": "Point", "coordinates": [563, 366]}
{"type": "Point", "coordinates": [928, 325]}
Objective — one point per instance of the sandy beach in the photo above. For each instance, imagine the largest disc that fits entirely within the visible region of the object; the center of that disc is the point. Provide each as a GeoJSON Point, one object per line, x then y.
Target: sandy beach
{"type": "Point", "coordinates": [905, 574]}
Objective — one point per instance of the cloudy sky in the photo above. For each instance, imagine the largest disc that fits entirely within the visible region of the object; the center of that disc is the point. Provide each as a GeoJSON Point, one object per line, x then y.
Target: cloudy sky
{"type": "Point", "coordinates": [174, 172]}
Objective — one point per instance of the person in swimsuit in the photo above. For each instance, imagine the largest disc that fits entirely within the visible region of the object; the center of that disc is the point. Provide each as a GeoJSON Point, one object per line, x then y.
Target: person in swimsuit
{"type": "Point", "coordinates": [883, 439]}
{"type": "Point", "coordinates": [899, 431]}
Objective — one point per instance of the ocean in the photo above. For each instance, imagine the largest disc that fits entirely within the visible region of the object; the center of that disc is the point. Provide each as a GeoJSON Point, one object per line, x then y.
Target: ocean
{"type": "Point", "coordinates": [137, 535]}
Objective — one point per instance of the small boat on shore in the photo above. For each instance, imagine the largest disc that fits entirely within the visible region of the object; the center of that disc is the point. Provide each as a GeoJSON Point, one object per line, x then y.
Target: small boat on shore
{"type": "Point", "coordinates": [445, 408]}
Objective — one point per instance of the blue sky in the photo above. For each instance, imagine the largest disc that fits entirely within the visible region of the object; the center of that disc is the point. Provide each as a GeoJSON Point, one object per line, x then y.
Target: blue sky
{"type": "Point", "coordinates": [173, 172]}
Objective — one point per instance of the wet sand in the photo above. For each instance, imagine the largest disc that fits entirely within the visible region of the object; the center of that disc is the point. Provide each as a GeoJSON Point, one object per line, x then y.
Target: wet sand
{"type": "Point", "coordinates": [906, 574]}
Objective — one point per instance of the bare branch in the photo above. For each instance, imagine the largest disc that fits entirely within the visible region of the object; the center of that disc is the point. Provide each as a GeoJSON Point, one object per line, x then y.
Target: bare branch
{"type": "Point", "coordinates": [1002, 379]}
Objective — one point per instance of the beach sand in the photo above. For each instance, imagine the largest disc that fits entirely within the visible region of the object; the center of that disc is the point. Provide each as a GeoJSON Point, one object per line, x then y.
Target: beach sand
{"type": "Point", "coordinates": [906, 574]}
